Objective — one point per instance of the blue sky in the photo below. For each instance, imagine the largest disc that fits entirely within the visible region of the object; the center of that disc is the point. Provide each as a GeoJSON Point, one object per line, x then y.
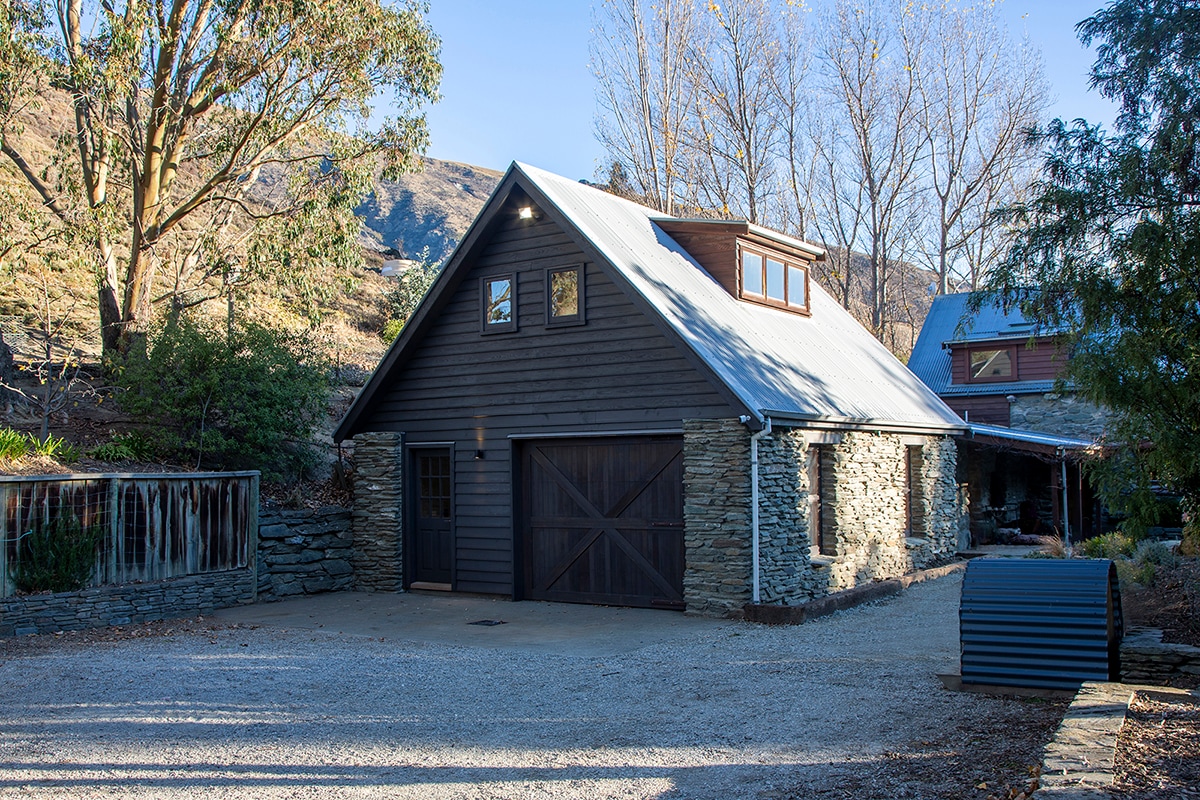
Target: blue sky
{"type": "Point", "coordinates": [517, 84]}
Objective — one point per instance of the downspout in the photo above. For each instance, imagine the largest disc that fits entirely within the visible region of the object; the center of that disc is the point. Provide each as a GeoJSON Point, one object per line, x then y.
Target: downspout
{"type": "Point", "coordinates": [766, 429]}
{"type": "Point", "coordinates": [1066, 511]}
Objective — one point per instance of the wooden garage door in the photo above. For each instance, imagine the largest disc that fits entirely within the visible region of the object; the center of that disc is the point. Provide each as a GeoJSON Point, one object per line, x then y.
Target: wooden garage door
{"type": "Point", "coordinates": [602, 521]}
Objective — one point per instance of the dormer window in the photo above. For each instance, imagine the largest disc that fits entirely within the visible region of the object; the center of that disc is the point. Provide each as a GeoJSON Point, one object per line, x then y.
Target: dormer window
{"type": "Point", "coordinates": [773, 279]}
{"type": "Point", "coordinates": [992, 364]}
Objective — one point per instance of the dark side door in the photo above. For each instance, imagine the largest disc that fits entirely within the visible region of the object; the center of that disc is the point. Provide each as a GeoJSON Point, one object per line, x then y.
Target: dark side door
{"type": "Point", "coordinates": [432, 499]}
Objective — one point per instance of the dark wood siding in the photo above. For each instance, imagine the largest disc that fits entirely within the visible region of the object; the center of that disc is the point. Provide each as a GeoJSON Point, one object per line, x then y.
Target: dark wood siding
{"type": "Point", "coordinates": [616, 373]}
{"type": "Point", "coordinates": [1041, 362]}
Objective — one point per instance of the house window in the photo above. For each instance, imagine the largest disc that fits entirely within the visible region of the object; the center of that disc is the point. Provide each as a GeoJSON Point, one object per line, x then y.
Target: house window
{"type": "Point", "coordinates": [499, 303]}
{"type": "Point", "coordinates": [774, 280]}
{"type": "Point", "coordinates": [817, 465]}
{"type": "Point", "coordinates": [914, 495]}
{"type": "Point", "coordinates": [992, 364]}
{"type": "Point", "coordinates": [564, 296]}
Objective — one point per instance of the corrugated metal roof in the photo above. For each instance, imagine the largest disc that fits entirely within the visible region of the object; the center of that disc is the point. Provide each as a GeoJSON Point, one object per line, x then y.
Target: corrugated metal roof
{"type": "Point", "coordinates": [1015, 387]}
{"type": "Point", "coordinates": [930, 361]}
{"type": "Point", "coordinates": [1033, 437]}
{"type": "Point", "coordinates": [823, 367]}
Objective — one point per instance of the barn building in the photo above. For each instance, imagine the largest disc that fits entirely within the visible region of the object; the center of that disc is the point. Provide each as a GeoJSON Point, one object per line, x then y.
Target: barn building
{"type": "Point", "coordinates": [600, 403]}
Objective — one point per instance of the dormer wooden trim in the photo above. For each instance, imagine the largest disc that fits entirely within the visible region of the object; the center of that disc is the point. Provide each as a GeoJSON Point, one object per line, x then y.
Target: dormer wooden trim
{"type": "Point", "coordinates": [715, 244]}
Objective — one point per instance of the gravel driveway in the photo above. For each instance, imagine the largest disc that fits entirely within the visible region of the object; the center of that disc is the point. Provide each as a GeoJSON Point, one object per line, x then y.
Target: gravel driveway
{"type": "Point", "coordinates": [845, 706]}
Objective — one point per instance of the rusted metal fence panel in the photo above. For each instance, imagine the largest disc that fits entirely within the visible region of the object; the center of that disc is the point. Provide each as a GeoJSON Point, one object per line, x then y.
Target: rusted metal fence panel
{"type": "Point", "coordinates": [155, 526]}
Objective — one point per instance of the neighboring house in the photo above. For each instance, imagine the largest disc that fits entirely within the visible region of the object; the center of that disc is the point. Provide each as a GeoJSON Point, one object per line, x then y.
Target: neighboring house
{"type": "Point", "coordinates": [1026, 438]}
{"type": "Point", "coordinates": [600, 403]}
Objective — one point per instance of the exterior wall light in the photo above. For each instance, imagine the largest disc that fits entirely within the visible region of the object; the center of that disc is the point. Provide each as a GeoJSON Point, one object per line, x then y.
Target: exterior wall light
{"type": "Point", "coordinates": [479, 455]}
{"type": "Point", "coordinates": [526, 212]}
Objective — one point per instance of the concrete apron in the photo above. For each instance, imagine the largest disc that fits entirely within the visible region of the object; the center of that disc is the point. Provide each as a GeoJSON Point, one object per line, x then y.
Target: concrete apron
{"type": "Point", "coordinates": [562, 628]}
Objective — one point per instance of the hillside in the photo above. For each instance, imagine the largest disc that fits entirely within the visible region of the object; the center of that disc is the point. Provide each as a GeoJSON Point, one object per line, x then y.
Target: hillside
{"type": "Point", "coordinates": [432, 208]}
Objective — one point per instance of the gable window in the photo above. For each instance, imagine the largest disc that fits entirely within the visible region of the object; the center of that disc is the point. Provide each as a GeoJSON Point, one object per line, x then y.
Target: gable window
{"type": "Point", "coordinates": [992, 364]}
{"type": "Point", "coordinates": [564, 296]}
{"type": "Point", "coordinates": [774, 280]}
{"type": "Point", "coordinates": [499, 303]}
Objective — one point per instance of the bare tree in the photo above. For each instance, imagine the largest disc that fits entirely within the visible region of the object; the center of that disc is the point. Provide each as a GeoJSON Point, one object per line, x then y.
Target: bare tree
{"type": "Point", "coordinates": [736, 64]}
{"type": "Point", "coordinates": [639, 57]}
{"type": "Point", "coordinates": [795, 116]}
{"type": "Point", "coordinates": [868, 78]}
{"type": "Point", "coordinates": [979, 92]}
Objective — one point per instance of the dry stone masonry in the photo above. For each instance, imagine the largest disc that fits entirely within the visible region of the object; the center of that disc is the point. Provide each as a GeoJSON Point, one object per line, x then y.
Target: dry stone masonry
{"type": "Point", "coordinates": [864, 496]}
{"type": "Point", "coordinates": [1058, 414]}
{"type": "Point", "coordinates": [378, 517]}
{"type": "Point", "coordinates": [716, 514]}
{"type": "Point", "coordinates": [126, 604]}
{"type": "Point", "coordinates": [304, 551]}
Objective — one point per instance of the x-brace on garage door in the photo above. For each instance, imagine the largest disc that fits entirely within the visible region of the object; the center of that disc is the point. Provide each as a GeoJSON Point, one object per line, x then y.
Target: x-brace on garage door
{"type": "Point", "coordinates": [602, 521]}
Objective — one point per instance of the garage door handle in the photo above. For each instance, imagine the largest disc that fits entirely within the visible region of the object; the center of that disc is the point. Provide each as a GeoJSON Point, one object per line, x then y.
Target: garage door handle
{"type": "Point", "coordinates": [666, 524]}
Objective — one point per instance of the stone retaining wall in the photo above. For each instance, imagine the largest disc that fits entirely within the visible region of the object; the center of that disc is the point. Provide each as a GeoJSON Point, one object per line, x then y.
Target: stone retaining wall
{"type": "Point", "coordinates": [304, 552]}
{"type": "Point", "coordinates": [1146, 658]}
{"type": "Point", "coordinates": [126, 604]}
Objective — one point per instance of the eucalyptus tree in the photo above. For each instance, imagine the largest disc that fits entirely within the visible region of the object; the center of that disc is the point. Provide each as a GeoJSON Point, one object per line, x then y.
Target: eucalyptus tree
{"type": "Point", "coordinates": [211, 142]}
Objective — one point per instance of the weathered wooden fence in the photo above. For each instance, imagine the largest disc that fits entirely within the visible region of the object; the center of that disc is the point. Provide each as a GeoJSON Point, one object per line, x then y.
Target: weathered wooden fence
{"type": "Point", "coordinates": [155, 526]}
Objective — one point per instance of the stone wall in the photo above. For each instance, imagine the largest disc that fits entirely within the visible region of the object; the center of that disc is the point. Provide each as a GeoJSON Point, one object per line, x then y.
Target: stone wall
{"type": "Point", "coordinates": [1059, 414]}
{"type": "Point", "coordinates": [716, 512]}
{"type": "Point", "coordinates": [377, 520]}
{"type": "Point", "coordinates": [864, 497]}
{"type": "Point", "coordinates": [304, 551]}
{"type": "Point", "coordinates": [785, 570]}
{"type": "Point", "coordinates": [868, 509]}
{"type": "Point", "coordinates": [126, 604]}
{"type": "Point", "coordinates": [1146, 658]}
{"type": "Point", "coordinates": [944, 508]}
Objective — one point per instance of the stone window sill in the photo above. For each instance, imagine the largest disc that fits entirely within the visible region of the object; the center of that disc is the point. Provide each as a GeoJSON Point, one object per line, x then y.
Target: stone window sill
{"type": "Point", "coordinates": [820, 562]}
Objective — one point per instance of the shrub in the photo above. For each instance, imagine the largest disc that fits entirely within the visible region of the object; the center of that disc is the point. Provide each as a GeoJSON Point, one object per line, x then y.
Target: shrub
{"type": "Point", "coordinates": [1156, 553]}
{"type": "Point", "coordinates": [132, 446]}
{"type": "Point", "coordinates": [59, 556]}
{"type": "Point", "coordinates": [13, 444]}
{"type": "Point", "coordinates": [59, 449]}
{"type": "Point", "coordinates": [1110, 545]}
{"type": "Point", "coordinates": [250, 399]}
{"type": "Point", "coordinates": [1129, 572]}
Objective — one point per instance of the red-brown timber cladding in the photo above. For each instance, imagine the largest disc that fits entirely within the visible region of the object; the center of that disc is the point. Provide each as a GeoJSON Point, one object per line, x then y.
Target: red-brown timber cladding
{"type": "Point", "coordinates": [1041, 362]}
